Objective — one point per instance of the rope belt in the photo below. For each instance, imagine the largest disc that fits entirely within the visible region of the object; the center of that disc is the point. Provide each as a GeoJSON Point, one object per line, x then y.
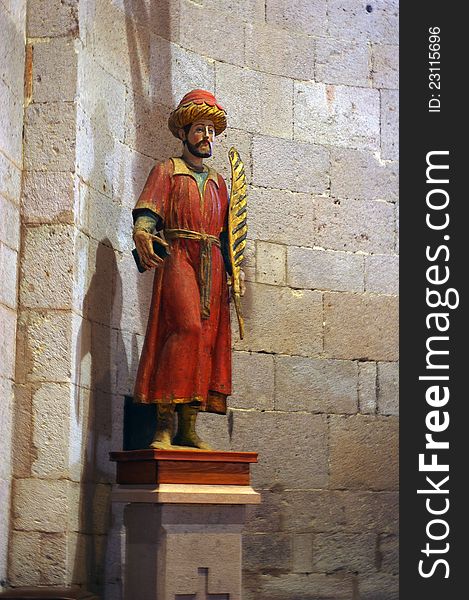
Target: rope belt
{"type": "Point", "coordinates": [205, 269]}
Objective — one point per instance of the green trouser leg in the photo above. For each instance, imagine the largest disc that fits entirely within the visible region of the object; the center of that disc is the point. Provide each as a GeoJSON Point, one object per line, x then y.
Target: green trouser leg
{"type": "Point", "coordinates": [164, 427]}
{"type": "Point", "coordinates": [186, 434]}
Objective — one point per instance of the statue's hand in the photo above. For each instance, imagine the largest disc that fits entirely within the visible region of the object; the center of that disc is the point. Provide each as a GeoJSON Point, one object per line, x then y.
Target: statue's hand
{"type": "Point", "coordinates": [144, 244]}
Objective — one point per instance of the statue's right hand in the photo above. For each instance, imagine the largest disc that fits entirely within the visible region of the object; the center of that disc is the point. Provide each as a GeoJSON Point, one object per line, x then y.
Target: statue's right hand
{"type": "Point", "coordinates": [144, 244]}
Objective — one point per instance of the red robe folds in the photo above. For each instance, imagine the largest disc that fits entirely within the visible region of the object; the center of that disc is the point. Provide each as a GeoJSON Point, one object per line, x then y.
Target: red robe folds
{"type": "Point", "coordinates": [186, 356]}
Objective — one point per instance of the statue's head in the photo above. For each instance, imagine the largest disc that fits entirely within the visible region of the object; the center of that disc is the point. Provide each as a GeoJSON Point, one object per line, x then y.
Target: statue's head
{"type": "Point", "coordinates": [197, 120]}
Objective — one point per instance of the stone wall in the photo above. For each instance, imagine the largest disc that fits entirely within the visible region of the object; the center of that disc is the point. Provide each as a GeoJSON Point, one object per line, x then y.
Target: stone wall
{"type": "Point", "coordinates": [12, 24]}
{"type": "Point", "coordinates": [310, 90]}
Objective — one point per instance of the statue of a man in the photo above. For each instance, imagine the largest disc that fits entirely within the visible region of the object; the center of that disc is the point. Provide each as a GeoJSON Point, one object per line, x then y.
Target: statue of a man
{"type": "Point", "coordinates": [186, 359]}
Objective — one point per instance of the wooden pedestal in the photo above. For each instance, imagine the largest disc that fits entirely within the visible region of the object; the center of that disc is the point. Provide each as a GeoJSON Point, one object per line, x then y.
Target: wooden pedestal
{"type": "Point", "coordinates": [139, 467]}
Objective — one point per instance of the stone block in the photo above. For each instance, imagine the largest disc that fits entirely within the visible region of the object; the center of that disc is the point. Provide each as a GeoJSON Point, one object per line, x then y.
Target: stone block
{"type": "Point", "coordinates": [129, 177]}
{"type": "Point", "coordinates": [49, 136]}
{"type": "Point", "coordinates": [23, 429]}
{"type": "Point", "coordinates": [361, 175]}
{"type": "Point", "coordinates": [53, 559]}
{"type": "Point", "coordinates": [7, 342]}
{"type": "Point", "coordinates": [350, 20]}
{"type": "Point", "coordinates": [385, 61]}
{"type": "Point", "coordinates": [390, 124]}
{"type": "Point", "coordinates": [344, 552]}
{"type": "Point", "coordinates": [48, 197]}
{"type": "Point", "coordinates": [270, 107]}
{"type": "Point", "coordinates": [292, 447]}
{"type": "Point", "coordinates": [281, 217]}
{"type": "Point", "coordinates": [388, 388]}
{"type": "Point", "coordinates": [51, 429]}
{"type": "Point", "coordinates": [336, 115]}
{"type": "Point", "coordinates": [109, 224]}
{"type": "Point", "coordinates": [270, 263]}
{"type": "Point", "coordinates": [11, 141]}
{"type": "Point", "coordinates": [300, 313]}
{"type": "Point", "coordinates": [342, 62]}
{"type": "Point", "coordinates": [249, 261]}
{"type": "Point", "coordinates": [6, 427]}
{"type": "Point", "coordinates": [303, 553]}
{"type": "Point", "coordinates": [382, 274]}
{"type": "Point", "coordinates": [389, 553]}
{"type": "Point", "coordinates": [90, 508]}
{"type": "Point", "coordinates": [311, 586]}
{"type": "Point", "coordinates": [206, 39]}
{"type": "Point", "coordinates": [50, 21]}
{"type": "Point", "coordinates": [4, 524]}
{"type": "Point", "coordinates": [367, 387]}
{"type": "Point", "coordinates": [8, 274]}
{"type": "Point", "coordinates": [267, 551]}
{"type": "Point", "coordinates": [162, 18]}
{"type": "Point", "coordinates": [54, 76]}
{"type": "Point", "coordinates": [315, 385]}
{"type": "Point", "coordinates": [101, 270]}
{"type": "Point", "coordinates": [24, 565]}
{"type": "Point", "coordinates": [40, 505]}
{"type": "Point", "coordinates": [9, 224]}
{"type": "Point", "coordinates": [103, 352]}
{"type": "Point", "coordinates": [101, 96]}
{"type": "Point", "coordinates": [215, 429]}
{"type": "Point", "coordinates": [253, 381]}
{"type": "Point", "coordinates": [44, 342]}
{"type": "Point", "coordinates": [279, 52]}
{"type": "Point", "coordinates": [379, 586]}
{"type": "Point", "coordinates": [12, 52]}
{"type": "Point", "coordinates": [361, 326]}
{"type": "Point", "coordinates": [129, 347]}
{"type": "Point", "coordinates": [242, 141]}
{"type": "Point", "coordinates": [47, 277]}
{"type": "Point", "coordinates": [307, 16]}
{"type": "Point", "coordinates": [324, 270]}
{"type": "Point", "coordinates": [10, 180]}
{"type": "Point", "coordinates": [305, 167]}
{"type": "Point", "coordinates": [248, 10]}
{"type": "Point", "coordinates": [363, 452]}
{"type": "Point", "coordinates": [354, 225]}
{"type": "Point", "coordinates": [146, 131]}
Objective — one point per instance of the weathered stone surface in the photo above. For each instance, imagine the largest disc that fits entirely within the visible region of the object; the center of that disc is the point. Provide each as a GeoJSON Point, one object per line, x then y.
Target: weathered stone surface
{"type": "Point", "coordinates": [270, 434]}
{"type": "Point", "coordinates": [267, 551]}
{"type": "Point", "coordinates": [242, 141]}
{"type": "Point", "coordinates": [44, 341]}
{"type": "Point", "coordinates": [24, 566]}
{"type": "Point", "coordinates": [390, 124]}
{"type": "Point", "coordinates": [324, 270]}
{"type": "Point", "coordinates": [100, 276]}
{"type": "Point", "coordinates": [54, 70]}
{"type": "Point", "coordinates": [270, 263]}
{"type": "Point", "coordinates": [354, 225]}
{"type": "Point", "coordinates": [48, 197]}
{"type": "Point", "coordinates": [302, 553]}
{"type": "Point", "coordinates": [361, 326]}
{"type": "Point", "coordinates": [367, 382]}
{"type": "Point", "coordinates": [382, 274]}
{"type": "Point", "coordinates": [300, 313]}
{"type": "Point", "coordinates": [303, 167]}
{"type": "Point", "coordinates": [206, 40]}
{"type": "Point", "coordinates": [109, 223]}
{"type": "Point", "coordinates": [253, 381]}
{"type": "Point", "coordinates": [312, 586]}
{"type": "Point", "coordinates": [46, 281]}
{"type": "Point", "coordinates": [336, 115]}
{"type": "Point", "coordinates": [23, 429]}
{"type": "Point", "coordinates": [10, 180]}
{"type": "Point", "coordinates": [7, 341]}
{"type": "Point", "coordinates": [11, 53]}
{"type": "Point", "coordinates": [9, 224]}
{"type": "Point", "coordinates": [52, 20]}
{"type": "Point", "coordinates": [5, 498]}
{"type": "Point", "coordinates": [53, 559]}
{"type": "Point", "coordinates": [307, 16]}
{"type": "Point", "coordinates": [345, 552]}
{"type": "Point", "coordinates": [129, 347]}
{"type": "Point", "coordinates": [389, 553]}
{"type": "Point", "coordinates": [129, 177]}
{"type": "Point", "coordinates": [363, 452]}
{"type": "Point", "coordinates": [49, 137]}
{"type": "Point", "coordinates": [350, 20]}
{"type": "Point", "coordinates": [388, 388]}
{"type": "Point", "coordinates": [379, 586]}
{"type": "Point", "coordinates": [385, 60]}
{"type": "Point", "coordinates": [162, 18]}
{"type": "Point", "coordinates": [8, 275]}
{"type": "Point", "coordinates": [12, 112]}
{"type": "Point", "coordinates": [270, 107]}
{"type": "Point", "coordinates": [357, 174]}
{"type": "Point", "coordinates": [215, 429]}
{"type": "Point", "coordinates": [281, 217]}
{"type": "Point", "coordinates": [342, 62]}
{"type": "Point", "coordinates": [6, 415]}
{"type": "Point", "coordinates": [315, 385]}
{"type": "Point", "coordinates": [40, 505]}
{"type": "Point", "coordinates": [248, 10]}
{"type": "Point", "coordinates": [279, 52]}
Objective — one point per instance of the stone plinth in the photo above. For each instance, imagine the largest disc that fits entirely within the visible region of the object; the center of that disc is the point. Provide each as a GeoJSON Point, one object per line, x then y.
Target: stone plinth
{"type": "Point", "coordinates": [183, 540]}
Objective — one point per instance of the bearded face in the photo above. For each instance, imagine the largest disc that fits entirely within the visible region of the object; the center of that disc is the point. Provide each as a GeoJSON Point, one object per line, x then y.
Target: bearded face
{"type": "Point", "coordinates": [199, 138]}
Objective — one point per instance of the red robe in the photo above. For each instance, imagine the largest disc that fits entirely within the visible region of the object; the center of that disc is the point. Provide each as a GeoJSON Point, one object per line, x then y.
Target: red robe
{"type": "Point", "coordinates": [186, 357]}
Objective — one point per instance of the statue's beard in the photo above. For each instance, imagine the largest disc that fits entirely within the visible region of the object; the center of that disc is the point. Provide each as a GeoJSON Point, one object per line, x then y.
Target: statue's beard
{"type": "Point", "coordinates": [194, 149]}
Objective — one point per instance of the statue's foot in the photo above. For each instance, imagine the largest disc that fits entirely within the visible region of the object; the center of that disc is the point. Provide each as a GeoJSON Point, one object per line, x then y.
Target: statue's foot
{"type": "Point", "coordinates": [191, 442]}
{"type": "Point", "coordinates": [160, 445]}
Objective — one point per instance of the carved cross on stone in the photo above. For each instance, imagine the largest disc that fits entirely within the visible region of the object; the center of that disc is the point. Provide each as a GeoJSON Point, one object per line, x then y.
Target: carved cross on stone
{"type": "Point", "coordinates": [202, 592]}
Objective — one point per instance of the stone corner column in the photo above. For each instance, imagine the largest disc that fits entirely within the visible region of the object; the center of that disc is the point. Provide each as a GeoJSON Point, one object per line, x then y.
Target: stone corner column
{"type": "Point", "coordinates": [184, 541]}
